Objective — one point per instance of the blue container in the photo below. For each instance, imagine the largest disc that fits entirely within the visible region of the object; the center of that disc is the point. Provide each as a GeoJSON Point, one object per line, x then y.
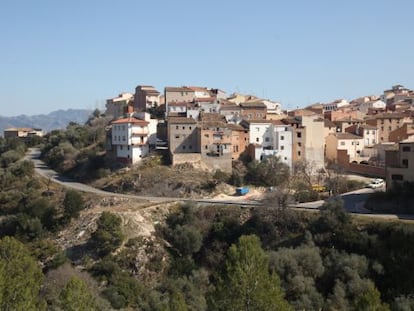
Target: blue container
{"type": "Point", "coordinates": [242, 190]}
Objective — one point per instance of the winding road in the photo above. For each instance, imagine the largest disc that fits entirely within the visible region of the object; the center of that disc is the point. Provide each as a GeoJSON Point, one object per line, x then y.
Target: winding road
{"type": "Point", "coordinates": [353, 201]}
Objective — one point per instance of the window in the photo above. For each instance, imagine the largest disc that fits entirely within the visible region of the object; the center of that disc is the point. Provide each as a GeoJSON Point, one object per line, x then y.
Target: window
{"type": "Point", "coordinates": [282, 147]}
{"type": "Point", "coordinates": [299, 144]}
{"type": "Point", "coordinates": [343, 143]}
{"type": "Point", "coordinates": [405, 162]}
{"type": "Point", "coordinates": [267, 139]}
{"type": "Point", "coordinates": [176, 127]}
{"type": "Point", "coordinates": [183, 147]}
{"type": "Point", "coordinates": [397, 177]}
{"type": "Point", "coordinates": [206, 147]}
{"type": "Point", "coordinates": [406, 149]}
{"type": "Point", "coordinates": [298, 153]}
{"type": "Point", "coordinates": [258, 129]}
{"type": "Point", "coordinates": [285, 158]}
{"type": "Point", "coordinates": [177, 136]}
{"type": "Point", "coordinates": [189, 127]}
{"type": "Point", "coordinates": [123, 138]}
{"type": "Point", "coordinates": [282, 137]}
{"type": "Point", "coordinates": [299, 134]}
{"type": "Point", "coordinates": [183, 127]}
{"type": "Point", "coordinates": [257, 139]}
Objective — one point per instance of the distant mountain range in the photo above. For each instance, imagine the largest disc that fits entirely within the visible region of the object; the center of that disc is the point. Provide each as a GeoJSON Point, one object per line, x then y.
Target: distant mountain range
{"type": "Point", "coordinates": [58, 119]}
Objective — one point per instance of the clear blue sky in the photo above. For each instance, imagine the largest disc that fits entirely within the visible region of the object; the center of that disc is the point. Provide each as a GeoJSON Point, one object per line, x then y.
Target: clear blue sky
{"type": "Point", "coordinates": [77, 53]}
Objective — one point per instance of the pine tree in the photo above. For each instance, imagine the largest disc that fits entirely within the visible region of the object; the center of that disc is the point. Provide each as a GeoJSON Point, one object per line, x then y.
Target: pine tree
{"type": "Point", "coordinates": [246, 283]}
{"type": "Point", "coordinates": [21, 277]}
{"type": "Point", "coordinates": [75, 296]}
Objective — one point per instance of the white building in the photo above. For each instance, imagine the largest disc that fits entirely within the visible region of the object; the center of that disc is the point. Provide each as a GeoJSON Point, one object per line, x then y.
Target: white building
{"type": "Point", "coordinates": [152, 127]}
{"type": "Point", "coordinates": [272, 107]}
{"type": "Point", "coordinates": [130, 139]}
{"type": "Point", "coordinates": [333, 106]}
{"type": "Point", "coordinates": [369, 133]}
{"type": "Point", "coordinates": [353, 144]}
{"type": "Point", "coordinates": [270, 138]}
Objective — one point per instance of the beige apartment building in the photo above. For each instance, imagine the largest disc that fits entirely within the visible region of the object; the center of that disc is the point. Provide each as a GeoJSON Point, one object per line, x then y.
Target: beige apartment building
{"type": "Point", "coordinates": [400, 164]}
{"type": "Point", "coordinates": [353, 145]}
{"type": "Point", "coordinates": [177, 95]}
{"type": "Point", "coordinates": [386, 123]}
{"type": "Point", "coordinates": [314, 140]}
{"type": "Point", "coordinates": [117, 106]}
{"type": "Point", "coordinates": [146, 96]}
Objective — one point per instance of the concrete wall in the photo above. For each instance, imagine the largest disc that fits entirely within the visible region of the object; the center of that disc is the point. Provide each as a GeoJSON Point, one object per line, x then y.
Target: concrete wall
{"type": "Point", "coordinates": [181, 158]}
{"type": "Point", "coordinates": [201, 162]}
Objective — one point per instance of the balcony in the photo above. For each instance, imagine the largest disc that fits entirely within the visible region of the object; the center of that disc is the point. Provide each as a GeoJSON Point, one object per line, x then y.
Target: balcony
{"type": "Point", "coordinates": [139, 133]}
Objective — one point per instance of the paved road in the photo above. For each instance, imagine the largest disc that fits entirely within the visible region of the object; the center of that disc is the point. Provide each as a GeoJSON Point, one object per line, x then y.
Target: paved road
{"type": "Point", "coordinates": [353, 201]}
{"type": "Point", "coordinates": [43, 170]}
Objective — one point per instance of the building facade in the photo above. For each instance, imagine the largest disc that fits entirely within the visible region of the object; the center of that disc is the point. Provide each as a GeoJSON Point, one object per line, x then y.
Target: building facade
{"type": "Point", "coordinates": [400, 164]}
{"type": "Point", "coordinates": [146, 97]}
{"type": "Point", "coordinates": [129, 138]}
{"type": "Point", "coordinates": [117, 106]}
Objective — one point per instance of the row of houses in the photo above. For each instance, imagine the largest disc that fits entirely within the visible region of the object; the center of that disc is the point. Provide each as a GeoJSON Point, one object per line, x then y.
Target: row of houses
{"type": "Point", "coordinates": [209, 129]}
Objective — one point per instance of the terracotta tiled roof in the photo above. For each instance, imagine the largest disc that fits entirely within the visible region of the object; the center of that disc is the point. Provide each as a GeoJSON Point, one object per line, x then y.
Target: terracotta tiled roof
{"type": "Point", "coordinates": [228, 107]}
{"type": "Point", "coordinates": [177, 89]}
{"type": "Point", "coordinates": [253, 105]}
{"type": "Point", "coordinates": [348, 119]}
{"type": "Point", "coordinates": [181, 120]}
{"type": "Point", "coordinates": [389, 116]}
{"type": "Point", "coordinates": [347, 136]}
{"type": "Point", "coordinates": [368, 127]}
{"type": "Point", "coordinates": [205, 99]}
{"type": "Point", "coordinates": [132, 120]}
{"type": "Point", "coordinates": [235, 127]}
{"type": "Point", "coordinates": [207, 124]}
{"type": "Point", "coordinates": [205, 116]}
{"type": "Point", "coordinates": [197, 88]}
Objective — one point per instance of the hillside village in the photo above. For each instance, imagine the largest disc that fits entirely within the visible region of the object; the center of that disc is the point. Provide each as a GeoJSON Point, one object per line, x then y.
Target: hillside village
{"type": "Point", "coordinates": [371, 135]}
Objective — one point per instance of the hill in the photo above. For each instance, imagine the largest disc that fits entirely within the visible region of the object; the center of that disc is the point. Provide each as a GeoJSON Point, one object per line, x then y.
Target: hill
{"type": "Point", "coordinates": [54, 120]}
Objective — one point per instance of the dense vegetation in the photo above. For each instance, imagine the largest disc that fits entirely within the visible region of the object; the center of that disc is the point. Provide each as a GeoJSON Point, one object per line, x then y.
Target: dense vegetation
{"type": "Point", "coordinates": [79, 150]}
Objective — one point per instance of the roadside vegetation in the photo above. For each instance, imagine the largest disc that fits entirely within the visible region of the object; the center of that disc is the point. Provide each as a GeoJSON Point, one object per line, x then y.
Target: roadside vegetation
{"type": "Point", "coordinates": [79, 150]}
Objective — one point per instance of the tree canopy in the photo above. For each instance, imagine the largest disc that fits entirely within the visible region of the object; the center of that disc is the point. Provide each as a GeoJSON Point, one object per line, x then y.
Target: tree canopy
{"type": "Point", "coordinates": [246, 283]}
